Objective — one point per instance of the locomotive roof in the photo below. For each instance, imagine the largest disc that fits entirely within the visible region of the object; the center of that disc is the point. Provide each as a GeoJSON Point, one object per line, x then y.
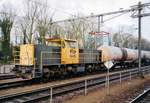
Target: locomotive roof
{"type": "Point", "coordinates": [59, 39]}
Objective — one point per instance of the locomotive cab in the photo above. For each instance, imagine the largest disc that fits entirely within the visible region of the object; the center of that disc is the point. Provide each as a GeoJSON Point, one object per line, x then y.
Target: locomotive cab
{"type": "Point", "coordinates": [69, 50]}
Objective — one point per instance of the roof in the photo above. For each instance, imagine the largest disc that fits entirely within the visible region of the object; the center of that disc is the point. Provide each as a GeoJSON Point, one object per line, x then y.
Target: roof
{"type": "Point", "coordinates": [59, 39]}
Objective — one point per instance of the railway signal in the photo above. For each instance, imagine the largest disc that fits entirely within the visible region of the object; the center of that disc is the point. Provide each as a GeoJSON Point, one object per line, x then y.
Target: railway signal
{"type": "Point", "coordinates": [108, 65]}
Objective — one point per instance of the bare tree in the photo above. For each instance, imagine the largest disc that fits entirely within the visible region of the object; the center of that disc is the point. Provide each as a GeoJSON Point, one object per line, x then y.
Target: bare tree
{"type": "Point", "coordinates": [73, 29]}
{"type": "Point", "coordinates": [127, 40]}
{"type": "Point", "coordinates": [44, 21]}
{"type": "Point", "coordinates": [116, 39]}
{"type": "Point", "coordinates": [77, 31]}
{"type": "Point", "coordinates": [24, 27]}
{"type": "Point", "coordinates": [28, 22]}
{"type": "Point", "coordinates": [123, 38]}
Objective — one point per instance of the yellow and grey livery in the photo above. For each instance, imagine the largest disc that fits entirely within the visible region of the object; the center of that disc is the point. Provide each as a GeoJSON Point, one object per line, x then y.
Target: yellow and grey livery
{"type": "Point", "coordinates": [57, 57]}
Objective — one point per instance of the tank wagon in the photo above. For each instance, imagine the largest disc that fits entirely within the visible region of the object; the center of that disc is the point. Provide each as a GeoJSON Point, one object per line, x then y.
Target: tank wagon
{"type": "Point", "coordinates": [60, 57]}
{"type": "Point", "coordinates": [123, 56]}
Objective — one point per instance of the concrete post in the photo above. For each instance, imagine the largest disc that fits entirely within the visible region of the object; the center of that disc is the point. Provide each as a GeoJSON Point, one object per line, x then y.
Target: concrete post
{"type": "Point", "coordinates": [51, 95]}
{"type": "Point", "coordinates": [85, 91]}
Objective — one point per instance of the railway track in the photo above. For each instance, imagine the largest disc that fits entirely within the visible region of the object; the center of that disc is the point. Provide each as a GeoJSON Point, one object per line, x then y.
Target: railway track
{"type": "Point", "coordinates": [11, 83]}
{"type": "Point", "coordinates": [142, 98]}
{"type": "Point", "coordinates": [14, 83]}
{"type": "Point", "coordinates": [63, 88]}
{"type": "Point", "coordinates": [7, 76]}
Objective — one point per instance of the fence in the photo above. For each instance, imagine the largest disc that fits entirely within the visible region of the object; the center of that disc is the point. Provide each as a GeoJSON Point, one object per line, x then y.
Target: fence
{"type": "Point", "coordinates": [102, 80]}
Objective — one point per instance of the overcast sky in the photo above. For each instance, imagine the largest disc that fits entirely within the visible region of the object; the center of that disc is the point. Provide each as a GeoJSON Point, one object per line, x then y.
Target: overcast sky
{"type": "Point", "coordinates": [86, 7]}
{"type": "Point", "coordinates": [64, 8]}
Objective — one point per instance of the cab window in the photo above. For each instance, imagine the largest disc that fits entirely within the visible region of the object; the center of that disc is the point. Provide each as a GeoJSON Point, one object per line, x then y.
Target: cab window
{"type": "Point", "coordinates": [54, 43]}
{"type": "Point", "coordinates": [71, 44]}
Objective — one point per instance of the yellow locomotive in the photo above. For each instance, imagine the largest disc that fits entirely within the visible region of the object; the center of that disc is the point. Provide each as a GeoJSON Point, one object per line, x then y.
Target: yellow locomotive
{"type": "Point", "coordinates": [57, 58]}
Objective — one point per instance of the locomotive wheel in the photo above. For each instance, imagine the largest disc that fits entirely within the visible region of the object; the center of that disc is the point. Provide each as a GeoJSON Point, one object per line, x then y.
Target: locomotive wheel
{"type": "Point", "coordinates": [26, 76]}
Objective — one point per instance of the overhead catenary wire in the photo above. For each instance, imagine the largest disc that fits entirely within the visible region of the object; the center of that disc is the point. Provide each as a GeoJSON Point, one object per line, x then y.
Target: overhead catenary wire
{"type": "Point", "coordinates": [114, 17]}
{"type": "Point", "coordinates": [133, 8]}
{"type": "Point", "coordinates": [93, 16]}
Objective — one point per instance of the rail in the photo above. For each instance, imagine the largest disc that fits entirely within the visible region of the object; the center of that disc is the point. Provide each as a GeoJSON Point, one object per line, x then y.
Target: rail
{"type": "Point", "coordinates": [7, 76]}
{"type": "Point", "coordinates": [141, 96]}
{"type": "Point", "coordinates": [14, 83]}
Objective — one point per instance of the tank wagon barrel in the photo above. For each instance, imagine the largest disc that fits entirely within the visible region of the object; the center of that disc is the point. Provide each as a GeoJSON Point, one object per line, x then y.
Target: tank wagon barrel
{"type": "Point", "coordinates": [111, 53]}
